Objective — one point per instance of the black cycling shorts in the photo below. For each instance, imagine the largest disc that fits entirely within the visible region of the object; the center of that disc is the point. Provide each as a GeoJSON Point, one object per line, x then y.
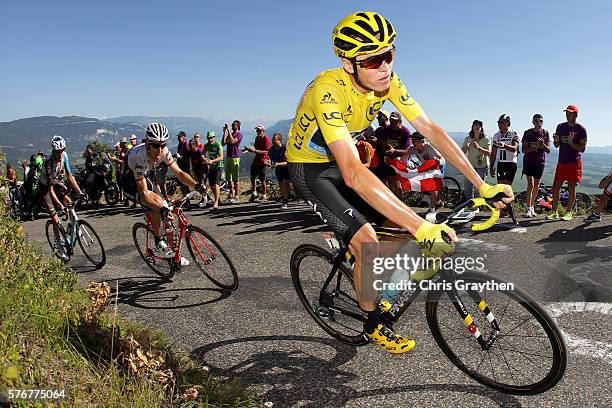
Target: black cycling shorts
{"type": "Point", "coordinates": [506, 171]}
{"type": "Point", "coordinates": [321, 185]}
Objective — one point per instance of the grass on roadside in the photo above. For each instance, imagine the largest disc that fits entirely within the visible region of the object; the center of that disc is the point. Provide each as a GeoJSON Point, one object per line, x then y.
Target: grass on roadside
{"type": "Point", "coordinates": [56, 335]}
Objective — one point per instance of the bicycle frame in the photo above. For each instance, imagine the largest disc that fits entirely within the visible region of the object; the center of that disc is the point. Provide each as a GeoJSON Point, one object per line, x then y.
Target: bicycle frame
{"type": "Point", "coordinates": [183, 222]}
{"type": "Point", "coordinates": [407, 297]}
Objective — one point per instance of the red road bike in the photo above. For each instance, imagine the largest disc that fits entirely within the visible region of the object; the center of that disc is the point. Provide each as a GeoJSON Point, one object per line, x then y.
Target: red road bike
{"type": "Point", "coordinates": [206, 253]}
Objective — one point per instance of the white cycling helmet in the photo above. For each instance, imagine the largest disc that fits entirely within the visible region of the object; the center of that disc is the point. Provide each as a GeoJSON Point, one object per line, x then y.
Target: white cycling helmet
{"type": "Point", "coordinates": [58, 143]}
{"type": "Point", "coordinates": [157, 133]}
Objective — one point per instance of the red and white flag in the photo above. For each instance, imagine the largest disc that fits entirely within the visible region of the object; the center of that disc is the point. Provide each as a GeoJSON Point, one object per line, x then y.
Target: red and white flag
{"type": "Point", "coordinates": [425, 178]}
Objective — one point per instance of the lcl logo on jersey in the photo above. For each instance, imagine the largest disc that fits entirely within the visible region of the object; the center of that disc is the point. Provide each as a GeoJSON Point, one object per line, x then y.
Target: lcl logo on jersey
{"type": "Point", "coordinates": [373, 110]}
{"type": "Point", "coordinates": [304, 122]}
{"type": "Point", "coordinates": [333, 119]}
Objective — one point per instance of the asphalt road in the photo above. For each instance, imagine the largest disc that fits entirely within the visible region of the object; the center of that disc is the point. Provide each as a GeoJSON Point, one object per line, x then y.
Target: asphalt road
{"type": "Point", "coordinates": [262, 335]}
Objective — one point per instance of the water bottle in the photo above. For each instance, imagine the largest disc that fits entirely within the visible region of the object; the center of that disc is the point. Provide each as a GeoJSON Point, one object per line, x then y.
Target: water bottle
{"type": "Point", "coordinates": [399, 275]}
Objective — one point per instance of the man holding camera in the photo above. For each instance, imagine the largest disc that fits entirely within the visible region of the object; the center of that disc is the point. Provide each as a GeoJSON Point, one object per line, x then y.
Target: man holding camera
{"type": "Point", "coordinates": [232, 163]}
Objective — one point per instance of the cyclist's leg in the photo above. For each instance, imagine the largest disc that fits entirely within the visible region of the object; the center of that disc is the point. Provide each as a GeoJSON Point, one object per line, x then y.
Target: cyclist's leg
{"type": "Point", "coordinates": [51, 207]}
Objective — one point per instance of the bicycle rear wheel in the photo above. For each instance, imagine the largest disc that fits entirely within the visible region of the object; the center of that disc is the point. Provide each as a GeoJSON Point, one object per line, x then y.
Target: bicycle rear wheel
{"type": "Point", "coordinates": [527, 356]}
{"type": "Point", "coordinates": [90, 244]}
{"type": "Point", "coordinates": [583, 203]}
{"type": "Point", "coordinates": [310, 269]}
{"type": "Point", "coordinates": [211, 259]}
{"type": "Point", "coordinates": [144, 239]}
{"type": "Point", "coordinates": [63, 241]}
{"type": "Point", "coordinates": [451, 194]}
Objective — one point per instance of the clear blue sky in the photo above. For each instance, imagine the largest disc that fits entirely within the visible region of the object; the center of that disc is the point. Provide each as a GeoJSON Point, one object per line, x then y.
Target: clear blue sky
{"type": "Point", "coordinates": [245, 59]}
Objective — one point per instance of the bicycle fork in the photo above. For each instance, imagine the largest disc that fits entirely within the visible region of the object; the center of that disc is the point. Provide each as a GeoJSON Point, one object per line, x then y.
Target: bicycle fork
{"type": "Point", "coordinates": [485, 343]}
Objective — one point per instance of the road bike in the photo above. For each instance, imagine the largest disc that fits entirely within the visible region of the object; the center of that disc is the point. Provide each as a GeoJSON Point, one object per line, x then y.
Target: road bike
{"type": "Point", "coordinates": [79, 231]}
{"type": "Point", "coordinates": [544, 199]}
{"type": "Point", "coordinates": [500, 337]}
{"type": "Point", "coordinates": [205, 251]}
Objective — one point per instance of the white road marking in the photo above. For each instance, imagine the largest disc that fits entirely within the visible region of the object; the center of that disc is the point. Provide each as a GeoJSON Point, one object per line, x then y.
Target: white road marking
{"type": "Point", "coordinates": [483, 246]}
{"type": "Point", "coordinates": [578, 345]}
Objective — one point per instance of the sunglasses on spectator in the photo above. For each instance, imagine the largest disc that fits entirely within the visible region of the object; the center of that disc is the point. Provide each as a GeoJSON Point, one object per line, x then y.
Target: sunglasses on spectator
{"type": "Point", "coordinates": [539, 120]}
{"type": "Point", "coordinates": [210, 138]}
{"type": "Point", "coordinates": [376, 61]}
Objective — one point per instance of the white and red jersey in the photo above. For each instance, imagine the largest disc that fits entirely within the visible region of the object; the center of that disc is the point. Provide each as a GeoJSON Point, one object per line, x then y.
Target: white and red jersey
{"type": "Point", "coordinates": [139, 163]}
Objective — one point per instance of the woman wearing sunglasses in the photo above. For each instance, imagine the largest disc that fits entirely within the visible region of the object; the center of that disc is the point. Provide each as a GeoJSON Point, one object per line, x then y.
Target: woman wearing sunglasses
{"type": "Point", "coordinates": [324, 163]}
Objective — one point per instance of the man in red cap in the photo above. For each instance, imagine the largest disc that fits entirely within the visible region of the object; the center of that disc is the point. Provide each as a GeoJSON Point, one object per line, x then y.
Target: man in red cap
{"type": "Point", "coordinates": [570, 137]}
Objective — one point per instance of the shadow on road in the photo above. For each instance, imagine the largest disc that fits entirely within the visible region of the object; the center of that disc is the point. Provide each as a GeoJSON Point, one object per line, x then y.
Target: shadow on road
{"type": "Point", "coordinates": [582, 272]}
{"type": "Point", "coordinates": [297, 377]}
{"type": "Point", "coordinates": [148, 293]}
{"type": "Point", "coordinates": [268, 218]}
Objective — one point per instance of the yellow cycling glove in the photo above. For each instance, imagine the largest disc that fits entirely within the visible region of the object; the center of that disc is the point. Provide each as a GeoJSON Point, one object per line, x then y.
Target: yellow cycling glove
{"type": "Point", "coordinates": [429, 238]}
{"type": "Point", "coordinates": [489, 191]}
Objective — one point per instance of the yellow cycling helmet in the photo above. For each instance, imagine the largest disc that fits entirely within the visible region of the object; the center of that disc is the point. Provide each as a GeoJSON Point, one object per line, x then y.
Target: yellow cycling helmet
{"type": "Point", "coordinates": [364, 32]}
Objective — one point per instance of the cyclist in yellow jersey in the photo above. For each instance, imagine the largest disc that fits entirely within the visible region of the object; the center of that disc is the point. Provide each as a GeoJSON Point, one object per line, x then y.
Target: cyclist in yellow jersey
{"type": "Point", "coordinates": [324, 164]}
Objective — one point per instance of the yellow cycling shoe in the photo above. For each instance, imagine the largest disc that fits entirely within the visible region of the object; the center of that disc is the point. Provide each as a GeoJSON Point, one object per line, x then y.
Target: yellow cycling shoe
{"type": "Point", "coordinates": [387, 340]}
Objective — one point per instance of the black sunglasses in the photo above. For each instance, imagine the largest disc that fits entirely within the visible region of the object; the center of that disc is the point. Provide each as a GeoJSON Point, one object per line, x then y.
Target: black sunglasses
{"type": "Point", "coordinates": [376, 61]}
{"type": "Point", "coordinates": [158, 145]}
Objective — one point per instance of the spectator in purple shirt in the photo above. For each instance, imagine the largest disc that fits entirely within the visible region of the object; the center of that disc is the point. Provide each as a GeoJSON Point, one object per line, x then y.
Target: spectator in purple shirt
{"type": "Point", "coordinates": [278, 161]}
{"type": "Point", "coordinates": [570, 137]}
{"type": "Point", "coordinates": [535, 145]}
{"type": "Point", "coordinates": [183, 157]}
{"type": "Point", "coordinates": [232, 162]}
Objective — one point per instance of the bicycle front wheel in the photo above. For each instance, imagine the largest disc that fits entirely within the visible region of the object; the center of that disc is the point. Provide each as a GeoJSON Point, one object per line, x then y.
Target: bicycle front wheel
{"type": "Point", "coordinates": [526, 355]}
{"type": "Point", "coordinates": [144, 239]}
{"type": "Point", "coordinates": [211, 259]}
{"type": "Point", "coordinates": [63, 241]}
{"type": "Point", "coordinates": [90, 244]}
{"type": "Point", "coordinates": [451, 194]}
{"type": "Point", "coordinates": [330, 306]}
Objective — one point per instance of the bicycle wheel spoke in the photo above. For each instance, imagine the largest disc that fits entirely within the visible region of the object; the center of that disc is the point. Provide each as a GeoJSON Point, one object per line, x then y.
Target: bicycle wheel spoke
{"type": "Point", "coordinates": [210, 258]}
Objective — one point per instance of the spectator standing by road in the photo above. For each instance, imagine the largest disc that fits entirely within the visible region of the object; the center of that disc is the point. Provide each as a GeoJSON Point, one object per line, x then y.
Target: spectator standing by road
{"type": "Point", "coordinates": [183, 158]}
{"type": "Point", "coordinates": [258, 166]}
{"type": "Point", "coordinates": [119, 160]}
{"type": "Point", "coordinates": [535, 145]}
{"type": "Point", "coordinates": [25, 168]}
{"type": "Point", "coordinates": [504, 152]}
{"type": "Point", "coordinates": [215, 165]}
{"type": "Point", "coordinates": [133, 141]}
{"type": "Point", "coordinates": [278, 161]}
{"type": "Point", "coordinates": [232, 160]}
{"type": "Point", "coordinates": [377, 164]}
{"type": "Point", "coordinates": [394, 141]}
{"type": "Point", "coordinates": [571, 138]}
{"type": "Point", "coordinates": [477, 148]}
{"type": "Point", "coordinates": [419, 153]}
{"type": "Point", "coordinates": [198, 165]}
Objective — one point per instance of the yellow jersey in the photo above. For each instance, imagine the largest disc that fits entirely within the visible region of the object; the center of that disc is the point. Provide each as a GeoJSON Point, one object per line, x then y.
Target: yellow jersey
{"type": "Point", "coordinates": [332, 109]}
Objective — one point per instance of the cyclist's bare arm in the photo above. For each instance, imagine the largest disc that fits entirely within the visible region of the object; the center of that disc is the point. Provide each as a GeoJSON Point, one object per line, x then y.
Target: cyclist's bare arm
{"type": "Point", "coordinates": [181, 175]}
{"type": "Point", "coordinates": [149, 198]}
{"type": "Point", "coordinates": [450, 150]}
{"type": "Point", "coordinates": [370, 188]}
{"type": "Point", "coordinates": [74, 184]}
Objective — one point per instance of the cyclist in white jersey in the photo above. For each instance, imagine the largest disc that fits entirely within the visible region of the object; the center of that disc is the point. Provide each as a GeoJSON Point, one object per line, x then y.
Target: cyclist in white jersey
{"type": "Point", "coordinates": [142, 160]}
{"type": "Point", "coordinates": [56, 170]}
{"type": "Point", "coordinates": [504, 151]}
